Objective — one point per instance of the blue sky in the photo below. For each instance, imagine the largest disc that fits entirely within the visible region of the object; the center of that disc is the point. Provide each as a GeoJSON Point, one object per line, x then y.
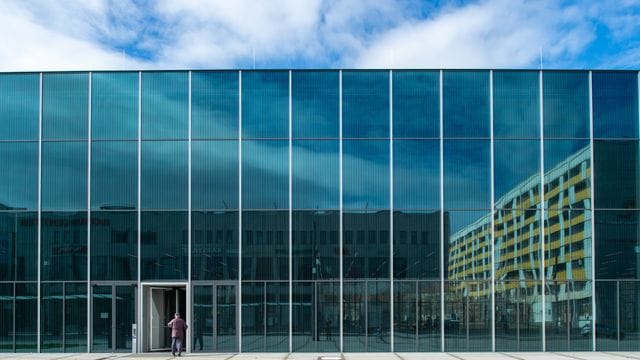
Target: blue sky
{"type": "Point", "coordinates": [122, 34]}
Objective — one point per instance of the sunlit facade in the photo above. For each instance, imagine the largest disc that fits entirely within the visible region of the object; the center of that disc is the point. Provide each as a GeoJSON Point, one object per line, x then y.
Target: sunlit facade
{"type": "Point", "coordinates": [320, 210]}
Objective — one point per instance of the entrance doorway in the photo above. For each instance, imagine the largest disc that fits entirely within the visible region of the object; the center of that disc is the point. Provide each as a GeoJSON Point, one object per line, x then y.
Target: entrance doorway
{"type": "Point", "coordinates": [161, 302]}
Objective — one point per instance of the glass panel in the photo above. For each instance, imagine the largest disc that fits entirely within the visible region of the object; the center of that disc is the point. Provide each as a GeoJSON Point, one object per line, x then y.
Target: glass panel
{"type": "Point", "coordinates": [19, 106]}
{"type": "Point", "coordinates": [164, 175]}
{"type": "Point", "coordinates": [416, 174]}
{"type": "Point", "coordinates": [355, 312]}
{"type": "Point", "coordinates": [203, 314]}
{"type": "Point", "coordinates": [516, 104]}
{"type": "Point", "coordinates": [365, 104]}
{"type": "Point", "coordinates": [315, 104]}
{"type": "Point", "coordinates": [567, 180]}
{"type": "Point", "coordinates": [102, 318]}
{"type": "Point", "coordinates": [64, 175]}
{"type": "Point", "coordinates": [405, 316]}
{"type": "Point", "coordinates": [125, 316]}
{"type": "Point", "coordinates": [265, 317]}
{"type": "Point", "coordinates": [6, 317]}
{"type": "Point", "coordinates": [214, 245]}
{"type": "Point", "coordinates": [467, 174]}
{"type": "Point", "coordinates": [114, 175]}
{"type": "Point", "coordinates": [467, 322]}
{"type": "Point", "coordinates": [265, 104]}
{"type": "Point", "coordinates": [378, 316]}
{"type": "Point", "coordinates": [315, 174]}
{"type": "Point", "coordinates": [429, 316]}
{"type": "Point", "coordinates": [629, 316]}
{"type": "Point", "coordinates": [265, 245]}
{"type": "Point", "coordinates": [365, 174]}
{"type": "Point", "coordinates": [265, 174]}
{"type": "Point", "coordinates": [253, 317]}
{"type": "Point", "coordinates": [567, 249]}
{"type": "Point", "coordinates": [617, 238]}
{"type": "Point", "coordinates": [517, 245]}
{"type": "Point", "coordinates": [416, 245]}
{"type": "Point", "coordinates": [214, 104]}
{"type": "Point", "coordinates": [416, 104]}
{"type": "Point", "coordinates": [615, 104]}
{"type": "Point", "coordinates": [18, 246]}
{"type": "Point", "coordinates": [566, 104]}
{"type": "Point", "coordinates": [65, 106]}
{"type": "Point", "coordinates": [467, 236]}
{"type": "Point", "coordinates": [214, 174]}
{"type": "Point", "coordinates": [607, 317]}
{"type": "Point", "coordinates": [64, 246]}
{"type": "Point", "coordinates": [114, 245]}
{"type": "Point", "coordinates": [75, 318]}
{"type": "Point", "coordinates": [466, 104]}
{"type": "Point", "coordinates": [518, 316]}
{"type": "Point", "coordinates": [316, 317]}
{"type": "Point", "coordinates": [315, 245]}
{"type": "Point", "coordinates": [114, 105]}
{"type": "Point", "coordinates": [569, 322]}
{"type": "Point", "coordinates": [163, 239]}
{"type": "Point", "coordinates": [226, 318]}
{"type": "Point", "coordinates": [51, 318]}
{"type": "Point", "coordinates": [366, 245]}
{"type": "Point", "coordinates": [517, 173]}
{"type": "Point", "coordinates": [165, 105]}
{"type": "Point", "coordinates": [26, 317]}
{"type": "Point", "coordinates": [19, 182]}
{"type": "Point", "coordinates": [616, 174]}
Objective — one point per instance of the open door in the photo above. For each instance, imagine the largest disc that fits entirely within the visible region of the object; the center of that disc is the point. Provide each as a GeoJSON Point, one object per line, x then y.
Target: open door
{"type": "Point", "coordinates": [165, 302]}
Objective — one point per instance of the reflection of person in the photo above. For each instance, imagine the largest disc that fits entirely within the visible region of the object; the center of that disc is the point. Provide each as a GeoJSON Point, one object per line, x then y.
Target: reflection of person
{"type": "Point", "coordinates": [178, 329]}
{"type": "Point", "coordinates": [197, 332]}
{"type": "Point", "coordinates": [327, 328]}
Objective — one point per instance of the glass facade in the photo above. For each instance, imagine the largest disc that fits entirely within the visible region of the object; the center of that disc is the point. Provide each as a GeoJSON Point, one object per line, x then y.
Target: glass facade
{"type": "Point", "coordinates": [320, 210]}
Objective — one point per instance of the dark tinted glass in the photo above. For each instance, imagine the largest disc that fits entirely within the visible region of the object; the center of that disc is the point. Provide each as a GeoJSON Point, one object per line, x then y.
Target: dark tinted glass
{"type": "Point", "coordinates": [566, 104]}
{"type": "Point", "coordinates": [466, 104]}
{"type": "Point", "coordinates": [366, 244]}
{"type": "Point", "coordinates": [214, 174]}
{"type": "Point", "coordinates": [416, 245]}
{"type": "Point", "coordinates": [214, 104]}
{"type": "Point", "coordinates": [315, 238]}
{"type": "Point", "coordinates": [416, 174]}
{"type": "Point", "coordinates": [615, 104]}
{"type": "Point", "coordinates": [19, 106]}
{"type": "Point", "coordinates": [114, 105]}
{"type": "Point", "coordinates": [164, 175]}
{"type": "Point", "coordinates": [265, 174]}
{"type": "Point", "coordinates": [214, 245]}
{"type": "Point", "coordinates": [165, 105]}
{"type": "Point", "coordinates": [101, 301]}
{"type": "Point", "coordinates": [19, 237]}
{"type": "Point", "coordinates": [64, 175]}
{"type": "Point", "coordinates": [266, 324]}
{"type": "Point", "coordinates": [265, 104]}
{"type": "Point", "coordinates": [51, 319]}
{"type": "Point", "coordinates": [616, 174]}
{"type": "Point", "coordinates": [416, 310]}
{"type": "Point", "coordinates": [265, 245]}
{"type": "Point", "coordinates": [567, 327]}
{"type": "Point", "coordinates": [114, 245]}
{"type": "Point", "coordinates": [516, 173]}
{"type": "Point", "coordinates": [365, 171]}
{"type": "Point", "coordinates": [467, 174]}
{"type": "Point", "coordinates": [516, 104]}
{"type": "Point", "coordinates": [617, 239]}
{"type": "Point", "coordinates": [65, 105]}
{"type": "Point", "coordinates": [163, 239]}
{"type": "Point", "coordinates": [75, 317]}
{"type": "Point", "coordinates": [315, 174]}
{"type": "Point", "coordinates": [316, 317]}
{"type": "Point", "coordinates": [315, 104]}
{"type": "Point", "coordinates": [64, 246]}
{"type": "Point", "coordinates": [114, 175]}
{"type": "Point", "coordinates": [367, 316]}
{"type": "Point", "coordinates": [567, 179]}
{"type": "Point", "coordinates": [6, 317]}
{"type": "Point", "coordinates": [567, 245]}
{"type": "Point", "coordinates": [365, 104]}
{"type": "Point", "coordinates": [26, 317]}
{"type": "Point", "coordinates": [467, 316]}
{"type": "Point", "coordinates": [416, 104]}
{"type": "Point", "coordinates": [517, 328]}
{"type": "Point", "coordinates": [19, 180]}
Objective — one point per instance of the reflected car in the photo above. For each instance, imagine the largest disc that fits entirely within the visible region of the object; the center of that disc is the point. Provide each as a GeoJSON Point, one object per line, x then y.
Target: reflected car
{"type": "Point", "coordinates": [602, 331]}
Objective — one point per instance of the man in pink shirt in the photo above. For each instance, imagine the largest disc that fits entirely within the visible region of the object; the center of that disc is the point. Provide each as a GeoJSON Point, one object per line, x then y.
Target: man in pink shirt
{"type": "Point", "coordinates": [178, 329]}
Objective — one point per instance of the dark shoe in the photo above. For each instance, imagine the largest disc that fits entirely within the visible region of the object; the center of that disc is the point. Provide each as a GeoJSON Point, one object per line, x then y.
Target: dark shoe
{"type": "Point", "coordinates": [179, 354]}
{"type": "Point", "coordinates": [173, 354]}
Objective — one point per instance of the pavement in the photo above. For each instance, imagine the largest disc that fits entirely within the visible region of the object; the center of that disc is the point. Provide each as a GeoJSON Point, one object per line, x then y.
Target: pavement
{"type": "Point", "coordinates": [347, 356]}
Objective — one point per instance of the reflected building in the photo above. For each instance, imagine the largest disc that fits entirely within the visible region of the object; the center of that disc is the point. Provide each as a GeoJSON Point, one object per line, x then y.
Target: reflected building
{"type": "Point", "coordinates": [320, 211]}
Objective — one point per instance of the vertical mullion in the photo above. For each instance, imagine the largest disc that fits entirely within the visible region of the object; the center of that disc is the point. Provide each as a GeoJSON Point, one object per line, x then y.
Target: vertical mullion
{"type": "Point", "coordinates": [64, 316]}
{"type": "Point", "coordinates": [617, 315]}
{"type": "Point", "coordinates": [114, 296]}
{"type": "Point", "coordinates": [593, 228]}
{"type": "Point", "coordinates": [239, 291]}
{"type": "Point", "coordinates": [290, 229]}
{"type": "Point", "coordinates": [39, 236]}
{"type": "Point", "coordinates": [542, 213]}
{"type": "Point", "coordinates": [493, 264]}
{"type": "Point", "coordinates": [140, 328]}
{"type": "Point", "coordinates": [189, 236]}
{"type": "Point", "coordinates": [89, 302]}
{"type": "Point", "coordinates": [341, 260]}
{"type": "Point", "coordinates": [442, 265]}
{"type": "Point", "coordinates": [391, 299]}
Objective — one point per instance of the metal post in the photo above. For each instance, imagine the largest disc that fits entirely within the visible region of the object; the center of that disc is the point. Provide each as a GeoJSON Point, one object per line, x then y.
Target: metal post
{"type": "Point", "coordinates": [140, 327]}
{"type": "Point", "coordinates": [188, 315]}
{"type": "Point", "coordinates": [593, 329]}
{"type": "Point", "coordinates": [89, 302]}
{"type": "Point", "coordinates": [542, 215]}
{"type": "Point", "coordinates": [290, 227]}
{"type": "Point", "coordinates": [341, 256]}
{"type": "Point", "coordinates": [239, 290]}
{"type": "Point", "coordinates": [593, 227]}
{"type": "Point", "coordinates": [39, 275]}
{"type": "Point", "coordinates": [391, 294]}
{"type": "Point", "coordinates": [493, 209]}
{"type": "Point", "coordinates": [442, 239]}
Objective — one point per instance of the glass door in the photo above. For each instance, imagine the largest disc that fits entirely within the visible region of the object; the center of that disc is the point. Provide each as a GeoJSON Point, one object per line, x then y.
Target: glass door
{"type": "Point", "coordinates": [215, 319]}
{"type": "Point", "coordinates": [113, 310]}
